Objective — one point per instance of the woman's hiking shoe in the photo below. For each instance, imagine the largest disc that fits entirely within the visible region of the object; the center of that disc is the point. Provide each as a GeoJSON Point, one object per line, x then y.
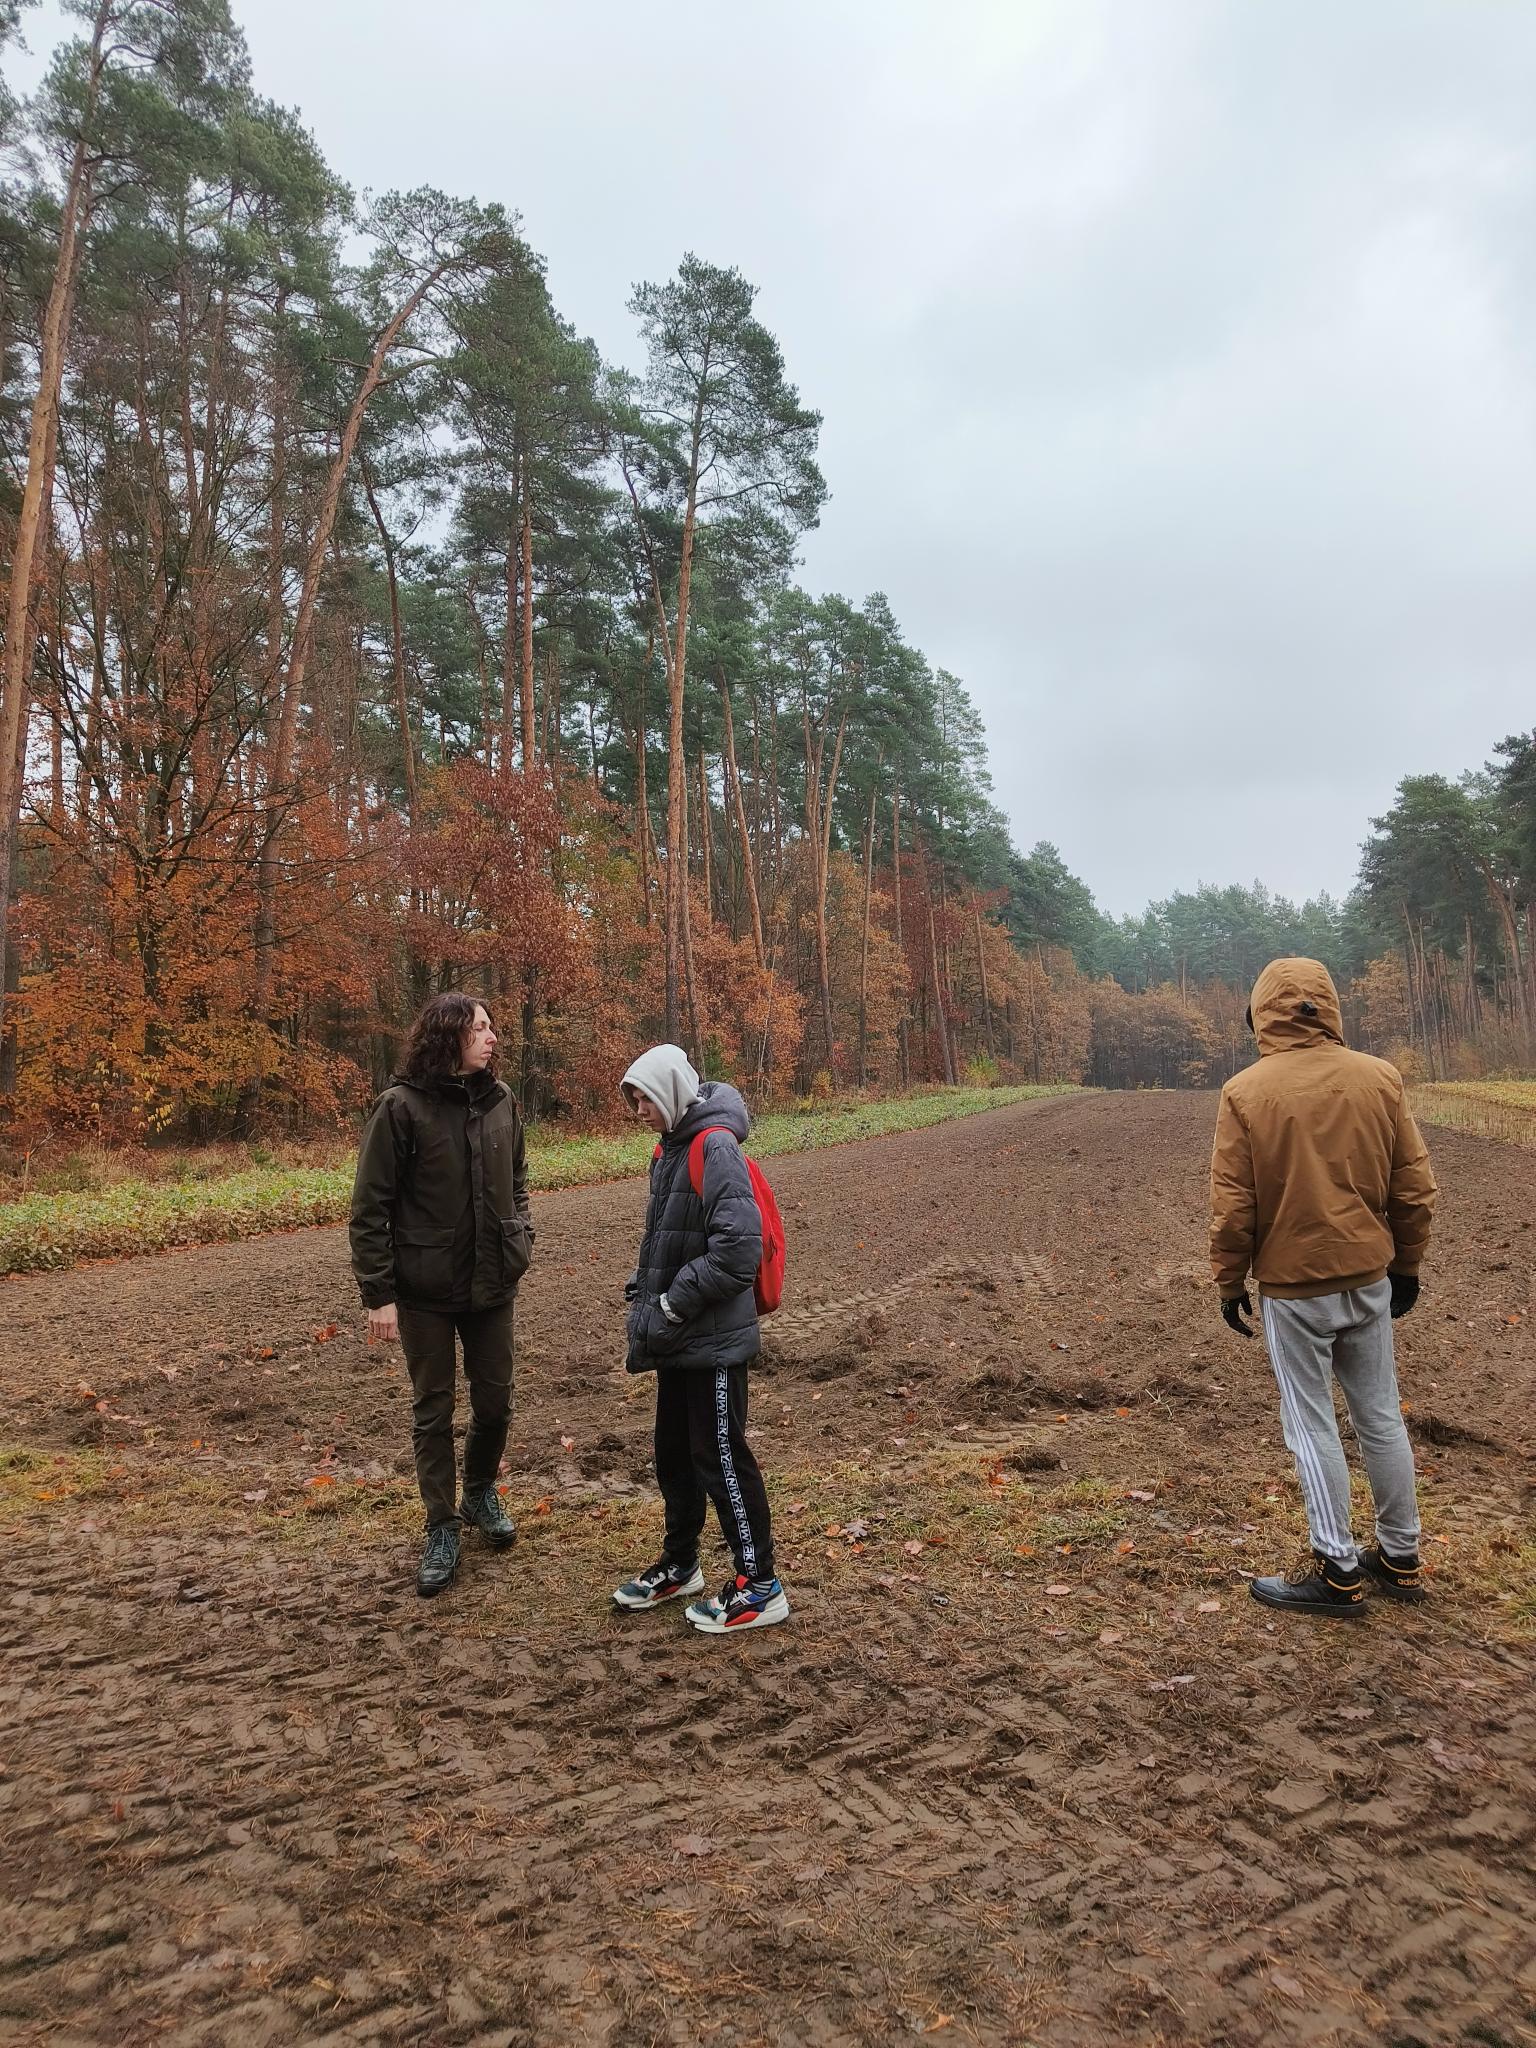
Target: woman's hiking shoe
{"type": "Point", "coordinates": [743, 1603]}
{"type": "Point", "coordinates": [1399, 1578]}
{"type": "Point", "coordinates": [661, 1583]}
{"type": "Point", "coordinates": [1329, 1588]}
{"type": "Point", "coordinates": [484, 1511]}
{"type": "Point", "coordinates": [439, 1560]}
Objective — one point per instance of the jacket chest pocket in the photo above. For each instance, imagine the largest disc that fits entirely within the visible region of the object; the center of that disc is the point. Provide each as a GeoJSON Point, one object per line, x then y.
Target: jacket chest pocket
{"type": "Point", "coordinates": [496, 1168]}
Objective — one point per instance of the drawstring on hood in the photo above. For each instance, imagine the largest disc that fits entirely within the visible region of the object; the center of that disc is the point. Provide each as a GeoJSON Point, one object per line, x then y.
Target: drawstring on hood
{"type": "Point", "coordinates": [1295, 1004]}
{"type": "Point", "coordinates": [666, 1076]}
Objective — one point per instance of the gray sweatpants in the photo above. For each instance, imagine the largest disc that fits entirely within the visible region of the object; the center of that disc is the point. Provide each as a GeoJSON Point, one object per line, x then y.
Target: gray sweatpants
{"type": "Point", "coordinates": [1347, 1337]}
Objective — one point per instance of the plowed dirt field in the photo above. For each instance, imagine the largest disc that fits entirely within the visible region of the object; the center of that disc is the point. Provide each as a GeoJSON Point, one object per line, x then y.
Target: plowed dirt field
{"type": "Point", "coordinates": [1027, 1765]}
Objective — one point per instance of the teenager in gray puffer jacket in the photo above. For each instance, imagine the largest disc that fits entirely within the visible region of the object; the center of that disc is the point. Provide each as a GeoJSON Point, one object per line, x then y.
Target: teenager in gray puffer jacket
{"type": "Point", "coordinates": [693, 1321]}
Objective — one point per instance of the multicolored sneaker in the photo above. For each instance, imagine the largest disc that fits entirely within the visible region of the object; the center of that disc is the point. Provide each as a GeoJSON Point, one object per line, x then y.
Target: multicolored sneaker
{"type": "Point", "coordinates": [1400, 1578]}
{"type": "Point", "coordinates": [661, 1583]}
{"type": "Point", "coordinates": [743, 1603]}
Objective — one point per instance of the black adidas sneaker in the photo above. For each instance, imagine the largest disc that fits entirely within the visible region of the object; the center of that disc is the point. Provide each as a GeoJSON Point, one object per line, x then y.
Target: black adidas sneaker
{"type": "Point", "coordinates": [1400, 1578]}
{"type": "Point", "coordinates": [1329, 1588]}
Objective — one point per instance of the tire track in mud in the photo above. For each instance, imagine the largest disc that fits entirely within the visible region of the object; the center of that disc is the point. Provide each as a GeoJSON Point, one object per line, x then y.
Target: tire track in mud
{"type": "Point", "coordinates": [216, 1794]}
{"type": "Point", "coordinates": [264, 1795]}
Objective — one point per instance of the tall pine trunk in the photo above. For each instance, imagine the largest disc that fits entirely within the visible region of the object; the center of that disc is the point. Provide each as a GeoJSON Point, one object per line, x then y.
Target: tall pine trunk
{"type": "Point", "coordinates": [280, 792]}
{"type": "Point", "coordinates": [869, 892]}
{"type": "Point", "coordinates": [706, 834]}
{"type": "Point", "coordinates": [397, 647]}
{"type": "Point", "coordinates": [941, 1020]}
{"type": "Point", "coordinates": [37, 490]}
{"type": "Point", "coordinates": [748, 862]}
{"type": "Point", "coordinates": [981, 962]}
{"type": "Point", "coordinates": [679, 923]}
{"type": "Point", "coordinates": [823, 864]}
{"type": "Point", "coordinates": [903, 1041]}
{"type": "Point", "coordinates": [530, 744]}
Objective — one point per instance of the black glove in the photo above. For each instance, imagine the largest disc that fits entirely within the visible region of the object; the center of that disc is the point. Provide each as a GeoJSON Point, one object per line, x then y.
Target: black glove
{"type": "Point", "coordinates": [1405, 1292]}
{"type": "Point", "coordinates": [1233, 1311]}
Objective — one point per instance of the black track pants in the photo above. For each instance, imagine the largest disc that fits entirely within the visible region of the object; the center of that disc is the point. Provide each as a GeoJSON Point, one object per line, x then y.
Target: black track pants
{"type": "Point", "coordinates": [702, 1455]}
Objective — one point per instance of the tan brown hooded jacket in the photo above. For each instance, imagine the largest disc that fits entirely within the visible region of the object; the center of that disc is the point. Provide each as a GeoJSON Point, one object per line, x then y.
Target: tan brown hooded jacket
{"type": "Point", "coordinates": [1319, 1178]}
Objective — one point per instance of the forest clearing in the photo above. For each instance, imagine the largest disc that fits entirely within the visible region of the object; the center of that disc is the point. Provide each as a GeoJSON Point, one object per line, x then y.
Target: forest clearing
{"type": "Point", "coordinates": [1027, 1765]}
{"type": "Point", "coordinates": [466, 709]}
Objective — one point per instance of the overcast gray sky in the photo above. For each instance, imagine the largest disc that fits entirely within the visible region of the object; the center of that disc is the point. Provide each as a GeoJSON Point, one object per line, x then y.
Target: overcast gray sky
{"type": "Point", "coordinates": [1178, 359]}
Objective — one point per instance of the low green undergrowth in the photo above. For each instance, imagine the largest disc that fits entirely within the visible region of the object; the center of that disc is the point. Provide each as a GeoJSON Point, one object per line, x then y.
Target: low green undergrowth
{"type": "Point", "coordinates": [1487, 1109]}
{"type": "Point", "coordinates": [125, 1218]}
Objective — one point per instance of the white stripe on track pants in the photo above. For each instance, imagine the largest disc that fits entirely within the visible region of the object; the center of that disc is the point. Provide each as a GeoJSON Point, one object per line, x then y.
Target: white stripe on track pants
{"type": "Point", "coordinates": [1347, 1337]}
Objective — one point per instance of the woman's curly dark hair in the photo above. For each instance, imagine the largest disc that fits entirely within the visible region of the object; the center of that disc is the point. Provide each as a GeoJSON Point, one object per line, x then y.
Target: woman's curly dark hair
{"type": "Point", "coordinates": [436, 1044]}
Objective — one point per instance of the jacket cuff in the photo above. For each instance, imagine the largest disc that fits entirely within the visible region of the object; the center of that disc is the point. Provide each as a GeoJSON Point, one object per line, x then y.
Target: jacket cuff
{"type": "Point", "coordinates": [1407, 1264]}
{"type": "Point", "coordinates": [1233, 1290]}
{"type": "Point", "coordinates": [377, 1296]}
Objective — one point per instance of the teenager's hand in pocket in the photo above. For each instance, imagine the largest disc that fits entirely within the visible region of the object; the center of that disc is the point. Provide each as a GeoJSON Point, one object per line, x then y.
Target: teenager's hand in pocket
{"type": "Point", "coordinates": [661, 1333]}
{"type": "Point", "coordinates": [384, 1324]}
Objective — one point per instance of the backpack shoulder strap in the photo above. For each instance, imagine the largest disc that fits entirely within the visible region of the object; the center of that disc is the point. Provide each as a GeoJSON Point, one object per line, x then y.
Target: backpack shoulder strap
{"type": "Point", "coordinates": [696, 1157]}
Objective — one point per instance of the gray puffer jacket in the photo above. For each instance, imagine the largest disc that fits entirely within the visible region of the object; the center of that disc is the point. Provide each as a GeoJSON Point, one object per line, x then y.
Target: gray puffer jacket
{"type": "Point", "coordinates": [702, 1254]}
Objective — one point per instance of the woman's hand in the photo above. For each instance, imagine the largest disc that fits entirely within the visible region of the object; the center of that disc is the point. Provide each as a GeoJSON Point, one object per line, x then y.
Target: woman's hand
{"type": "Point", "coordinates": [384, 1324]}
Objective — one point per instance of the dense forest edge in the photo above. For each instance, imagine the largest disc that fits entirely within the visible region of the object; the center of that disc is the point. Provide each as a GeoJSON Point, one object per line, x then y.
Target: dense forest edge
{"type": "Point", "coordinates": [366, 634]}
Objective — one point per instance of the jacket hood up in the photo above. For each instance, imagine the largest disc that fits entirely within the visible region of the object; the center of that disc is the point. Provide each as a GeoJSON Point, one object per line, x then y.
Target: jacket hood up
{"type": "Point", "coordinates": [665, 1075]}
{"type": "Point", "coordinates": [1295, 1004]}
{"type": "Point", "coordinates": [719, 1105]}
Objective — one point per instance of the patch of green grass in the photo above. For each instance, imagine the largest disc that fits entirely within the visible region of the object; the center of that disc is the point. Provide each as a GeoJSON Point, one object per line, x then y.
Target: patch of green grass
{"type": "Point", "coordinates": [40, 1232]}
{"type": "Point", "coordinates": [1505, 1110]}
{"type": "Point", "coordinates": [45, 1231]}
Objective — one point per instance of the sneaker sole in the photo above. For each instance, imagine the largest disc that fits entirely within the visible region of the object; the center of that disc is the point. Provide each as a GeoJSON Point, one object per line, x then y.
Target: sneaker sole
{"type": "Point", "coordinates": [1336, 1610]}
{"type": "Point", "coordinates": [694, 1585]}
{"type": "Point", "coordinates": [706, 1624]}
{"type": "Point", "coordinates": [1406, 1596]}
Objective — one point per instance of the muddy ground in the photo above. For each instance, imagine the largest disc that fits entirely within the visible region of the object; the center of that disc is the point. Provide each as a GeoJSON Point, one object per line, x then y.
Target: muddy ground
{"type": "Point", "coordinates": [1027, 1765]}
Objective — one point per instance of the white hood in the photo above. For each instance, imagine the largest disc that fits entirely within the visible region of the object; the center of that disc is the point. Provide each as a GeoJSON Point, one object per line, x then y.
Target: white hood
{"type": "Point", "coordinates": [666, 1076]}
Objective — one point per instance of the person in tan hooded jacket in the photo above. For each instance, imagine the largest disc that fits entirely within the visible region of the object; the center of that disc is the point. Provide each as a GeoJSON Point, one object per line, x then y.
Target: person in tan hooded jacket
{"type": "Point", "coordinates": [1321, 1185]}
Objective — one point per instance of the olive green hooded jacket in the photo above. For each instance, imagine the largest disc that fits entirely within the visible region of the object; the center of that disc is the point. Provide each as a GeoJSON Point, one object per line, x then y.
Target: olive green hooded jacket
{"type": "Point", "coordinates": [440, 1198]}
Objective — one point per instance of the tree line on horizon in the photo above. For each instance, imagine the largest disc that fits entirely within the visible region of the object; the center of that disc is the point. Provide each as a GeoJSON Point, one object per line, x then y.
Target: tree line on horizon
{"type": "Point", "coordinates": [367, 634]}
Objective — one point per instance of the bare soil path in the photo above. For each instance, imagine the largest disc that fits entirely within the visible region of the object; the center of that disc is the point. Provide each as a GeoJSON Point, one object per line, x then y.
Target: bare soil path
{"type": "Point", "coordinates": [1026, 1766]}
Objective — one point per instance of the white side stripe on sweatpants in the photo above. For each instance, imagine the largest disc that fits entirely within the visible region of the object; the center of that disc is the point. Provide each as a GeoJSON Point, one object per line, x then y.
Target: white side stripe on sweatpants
{"type": "Point", "coordinates": [728, 1467]}
{"type": "Point", "coordinates": [1314, 1485]}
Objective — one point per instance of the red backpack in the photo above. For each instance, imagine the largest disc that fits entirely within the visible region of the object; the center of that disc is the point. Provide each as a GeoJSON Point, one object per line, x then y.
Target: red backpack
{"type": "Point", "coordinates": [768, 1282]}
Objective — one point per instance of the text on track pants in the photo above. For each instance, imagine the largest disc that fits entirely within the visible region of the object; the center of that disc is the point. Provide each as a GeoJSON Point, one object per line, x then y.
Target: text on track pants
{"type": "Point", "coordinates": [1345, 1337]}
{"type": "Point", "coordinates": [702, 1455]}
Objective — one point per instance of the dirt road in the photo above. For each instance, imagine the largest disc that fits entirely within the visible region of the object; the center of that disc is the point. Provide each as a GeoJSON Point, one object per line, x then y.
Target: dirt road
{"type": "Point", "coordinates": [1027, 1765]}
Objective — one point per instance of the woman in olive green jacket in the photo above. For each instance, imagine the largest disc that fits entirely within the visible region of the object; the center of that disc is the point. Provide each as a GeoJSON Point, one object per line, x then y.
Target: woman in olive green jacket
{"type": "Point", "coordinates": [440, 1238]}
